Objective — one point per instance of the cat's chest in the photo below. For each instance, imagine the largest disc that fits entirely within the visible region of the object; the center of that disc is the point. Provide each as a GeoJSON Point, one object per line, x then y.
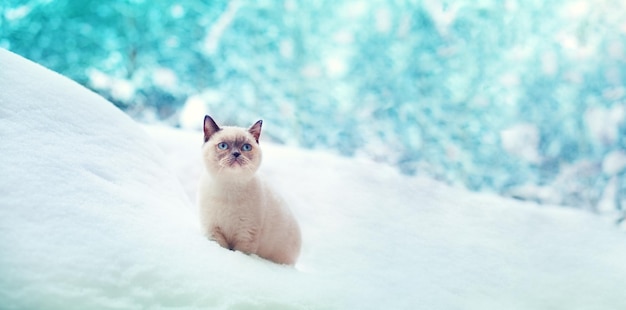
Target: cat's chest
{"type": "Point", "coordinates": [233, 203]}
{"type": "Point", "coordinates": [236, 204]}
{"type": "Point", "coordinates": [233, 216]}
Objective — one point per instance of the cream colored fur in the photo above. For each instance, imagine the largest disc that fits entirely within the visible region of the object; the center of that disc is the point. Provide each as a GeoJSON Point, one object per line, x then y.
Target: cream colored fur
{"type": "Point", "coordinates": [237, 209]}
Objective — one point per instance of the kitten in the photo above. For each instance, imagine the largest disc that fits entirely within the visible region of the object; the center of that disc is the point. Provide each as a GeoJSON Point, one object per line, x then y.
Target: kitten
{"type": "Point", "coordinates": [237, 209]}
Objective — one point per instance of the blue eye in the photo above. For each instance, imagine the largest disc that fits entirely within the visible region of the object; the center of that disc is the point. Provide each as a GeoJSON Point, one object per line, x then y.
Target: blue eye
{"type": "Point", "coordinates": [247, 147]}
{"type": "Point", "coordinates": [222, 146]}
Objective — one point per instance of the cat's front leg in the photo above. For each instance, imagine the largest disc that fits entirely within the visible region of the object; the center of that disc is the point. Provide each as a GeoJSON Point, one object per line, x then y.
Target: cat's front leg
{"type": "Point", "coordinates": [216, 235]}
{"type": "Point", "coordinates": [247, 240]}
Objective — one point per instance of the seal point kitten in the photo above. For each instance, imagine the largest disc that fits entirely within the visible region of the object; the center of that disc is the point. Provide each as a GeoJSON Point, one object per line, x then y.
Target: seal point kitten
{"type": "Point", "coordinates": [237, 209]}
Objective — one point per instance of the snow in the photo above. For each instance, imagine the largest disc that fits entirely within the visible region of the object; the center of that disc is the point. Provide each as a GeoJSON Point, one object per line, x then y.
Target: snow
{"type": "Point", "coordinates": [17, 13]}
{"type": "Point", "coordinates": [604, 123]}
{"type": "Point", "coordinates": [165, 78]}
{"type": "Point", "coordinates": [93, 216]}
{"type": "Point", "coordinates": [120, 89]}
{"type": "Point", "coordinates": [522, 140]}
{"type": "Point", "coordinates": [614, 162]}
{"type": "Point", "coordinates": [193, 107]}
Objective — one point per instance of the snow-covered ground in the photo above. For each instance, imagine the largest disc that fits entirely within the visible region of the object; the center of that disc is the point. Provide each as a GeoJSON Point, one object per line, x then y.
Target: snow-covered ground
{"type": "Point", "coordinates": [93, 216]}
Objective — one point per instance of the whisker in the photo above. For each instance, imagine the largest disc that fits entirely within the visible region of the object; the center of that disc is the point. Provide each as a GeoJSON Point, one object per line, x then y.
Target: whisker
{"type": "Point", "coordinates": [247, 165]}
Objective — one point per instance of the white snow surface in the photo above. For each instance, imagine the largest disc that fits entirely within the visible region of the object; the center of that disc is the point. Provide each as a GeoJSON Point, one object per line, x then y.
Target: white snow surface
{"type": "Point", "coordinates": [93, 216]}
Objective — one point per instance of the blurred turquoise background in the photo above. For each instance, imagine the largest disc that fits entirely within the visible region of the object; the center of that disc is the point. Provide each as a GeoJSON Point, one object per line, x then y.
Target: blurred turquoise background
{"type": "Point", "coordinates": [521, 98]}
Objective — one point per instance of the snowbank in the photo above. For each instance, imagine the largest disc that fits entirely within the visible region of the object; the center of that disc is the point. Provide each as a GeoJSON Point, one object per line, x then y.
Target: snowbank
{"type": "Point", "coordinates": [93, 217]}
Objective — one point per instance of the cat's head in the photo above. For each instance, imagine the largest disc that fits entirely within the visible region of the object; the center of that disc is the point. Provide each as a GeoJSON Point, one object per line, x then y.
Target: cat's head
{"type": "Point", "coordinates": [231, 152]}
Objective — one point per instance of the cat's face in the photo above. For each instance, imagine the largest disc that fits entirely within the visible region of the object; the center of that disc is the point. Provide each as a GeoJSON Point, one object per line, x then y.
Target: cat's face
{"type": "Point", "coordinates": [231, 152]}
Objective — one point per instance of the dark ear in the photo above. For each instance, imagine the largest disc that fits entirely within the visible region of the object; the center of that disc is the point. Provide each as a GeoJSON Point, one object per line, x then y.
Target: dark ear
{"type": "Point", "coordinates": [210, 127]}
{"type": "Point", "coordinates": [255, 130]}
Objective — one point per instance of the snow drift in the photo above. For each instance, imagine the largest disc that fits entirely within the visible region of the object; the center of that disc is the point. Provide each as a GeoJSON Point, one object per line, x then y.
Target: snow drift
{"type": "Point", "coordinates": [93, 216]}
